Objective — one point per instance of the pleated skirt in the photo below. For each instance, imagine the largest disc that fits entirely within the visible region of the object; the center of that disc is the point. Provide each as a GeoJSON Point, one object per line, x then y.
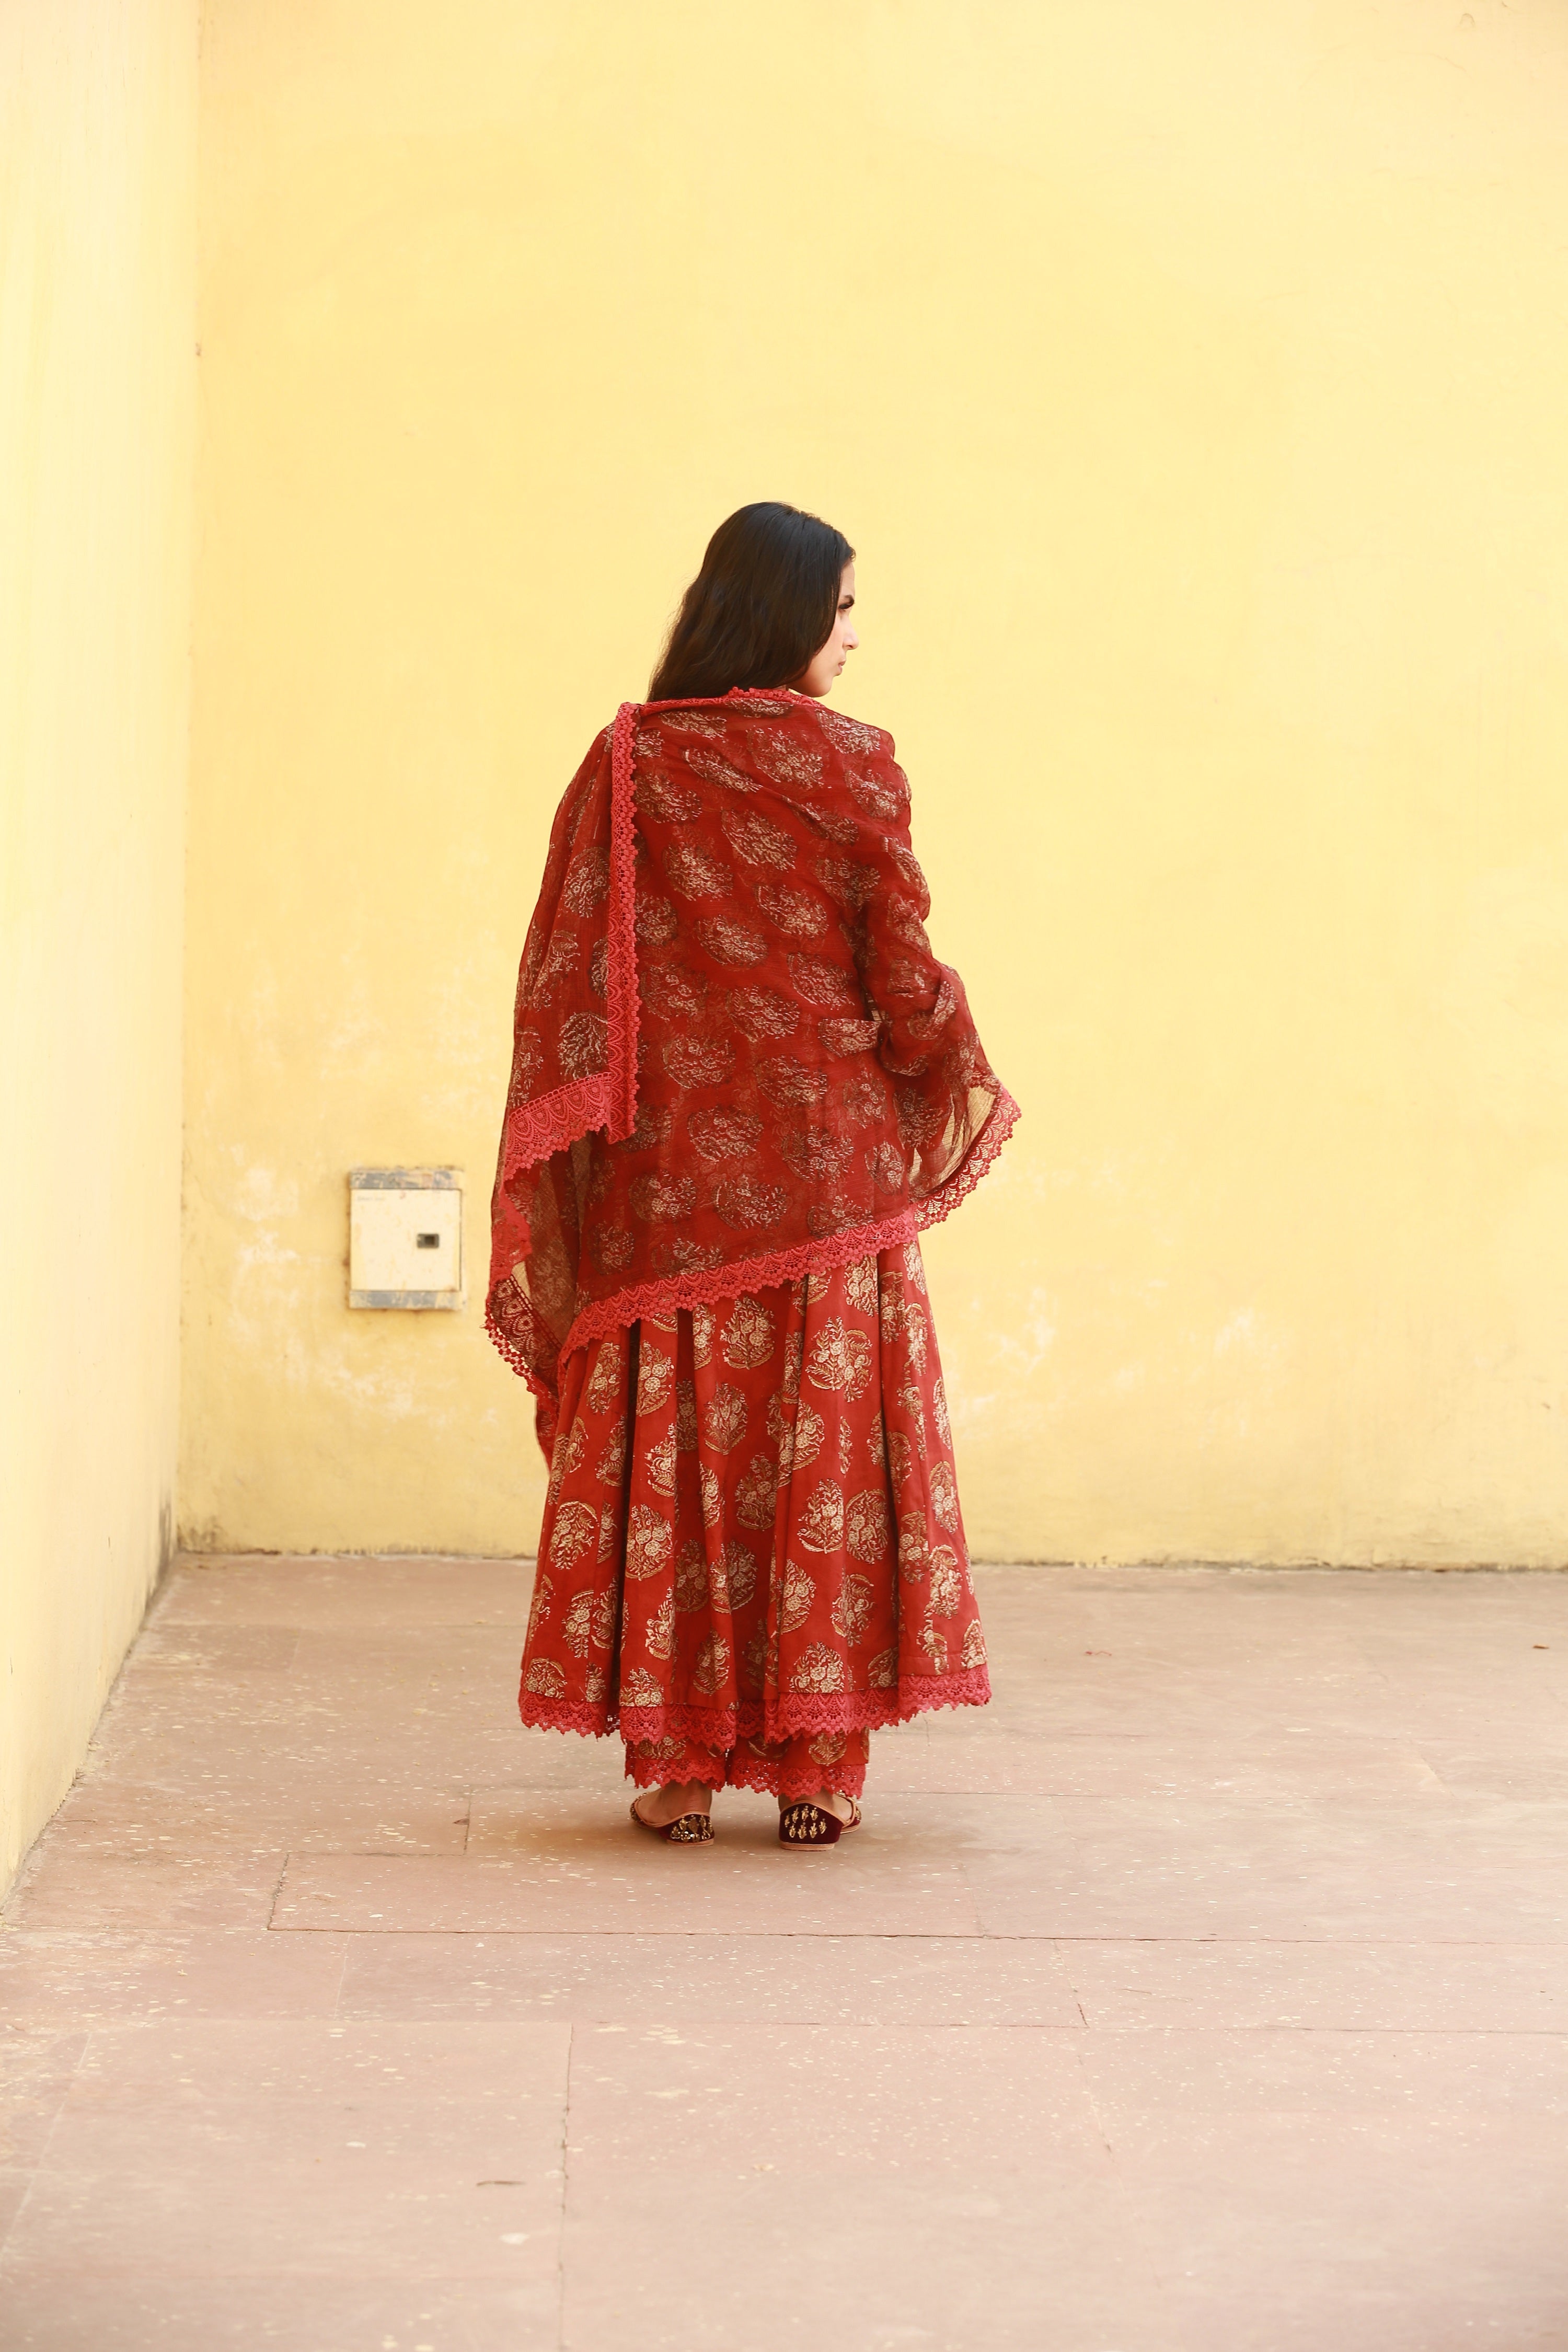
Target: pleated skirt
{"type": "Point", "coordinates": [752, 1552]}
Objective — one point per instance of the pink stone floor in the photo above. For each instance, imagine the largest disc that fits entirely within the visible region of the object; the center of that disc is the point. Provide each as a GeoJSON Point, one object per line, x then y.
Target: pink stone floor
{"type": "Point", "coordinates": [1208, 1993]}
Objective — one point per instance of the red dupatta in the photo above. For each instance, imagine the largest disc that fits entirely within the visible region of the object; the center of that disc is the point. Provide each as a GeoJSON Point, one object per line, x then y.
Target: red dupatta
{"type": "Point", "coordinates": [735, 1056]}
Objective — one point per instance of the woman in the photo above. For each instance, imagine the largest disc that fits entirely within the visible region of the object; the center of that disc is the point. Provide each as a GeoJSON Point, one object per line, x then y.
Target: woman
{"type": "Point", "coordinates": [741, 1083]}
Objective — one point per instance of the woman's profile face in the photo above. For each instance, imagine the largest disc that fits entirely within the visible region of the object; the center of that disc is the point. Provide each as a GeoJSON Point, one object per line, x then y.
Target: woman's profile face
{"type": "Point", "coordinates": [829, 658]}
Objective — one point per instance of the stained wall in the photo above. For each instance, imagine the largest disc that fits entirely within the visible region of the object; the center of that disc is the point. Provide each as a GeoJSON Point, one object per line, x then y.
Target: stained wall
{"type": "Point", "coordinates": [97, 129]}
{"type": "Point", "coordinates": [1190, 381]}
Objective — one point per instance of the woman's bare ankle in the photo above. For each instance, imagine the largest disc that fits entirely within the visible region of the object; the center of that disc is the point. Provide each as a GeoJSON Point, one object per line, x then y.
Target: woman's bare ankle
{"type": "Point", "coordinates": [659, 1806]}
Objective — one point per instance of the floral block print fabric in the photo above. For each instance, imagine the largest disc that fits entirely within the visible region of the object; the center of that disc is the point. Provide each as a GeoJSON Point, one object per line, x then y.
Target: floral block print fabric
{"type": "Point", "coordinates": [752, 1534]}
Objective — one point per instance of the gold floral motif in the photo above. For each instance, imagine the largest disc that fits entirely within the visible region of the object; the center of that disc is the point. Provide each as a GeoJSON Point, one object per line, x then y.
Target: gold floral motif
{"type": "Point", "coordinates": [865, 1529]}
{"type": "Point", "coordinates": [698, 1061]}
{"type": "Point", "coordinates": [585, 1043]}
{"type": "Point", "coordinates": [610, 1468]}
{"type": "Point", "coordinates": [817, 1669]}
{"type": "Point", "coordinates": [939, 1412]}
{"type": "Point", "coordinates": [587, 880]}
{"type": "Point", "coordinates": [692, 1577]}
{"type": "Point", "coordinates": [796, 1591]}
{"type": "Point", "coordinates": [544, 1679]}
{"type": "Point", "coordinates": [914, 1548]}
{"type": "Point", "coordinates": [658, 1465]}
{"type": "Point", "coordinates": [695, 873]}
{"type": "Point", "coordinates": [750, 1335]}
{"type": "Point", "coordinates": [758, 1013]}
{"type": "Point", "coordinates": [740, 1566]}
{"type": "Point", "coordinates": [686, 1416]}
{"type": "Point", "coordinates": [756, 1493]}
{"type": "Point", "coordinates": [796, 913]}
{"type": "Point", "coordinates": [945, 1495]}
{"type": "Point", "coordinates": [658, 1199]}
{"type": "Point", "coordinates": [934, 1644]}
{"type": "Point", "coordinates": [639, 1688]}
{"type": "Point", "coordinates": [729, 940]}
{"type": "Point", "coordinates": [720, 1134]}
{"type": "Point", "coordinates": [972, 1653]}
{"type": "Point", "coordinates": [658, 1634]}
{"type": "Point", "coordinates": [946, 1583]}
{"type": "Point", "coordinates": [577, 1624]}
{"type": "Point", "coordinates": [576, 1526]}
{"type": "Point", "coordinates": [724, 1418]}
{"type": "Point", "coordinates": [605, 1379]}
{"type": "Point", "coordinates": [820, 1527]}
{"type": "Point", "coordinates": [840, 1359]}
{"type": "Point", "coordinates": [860, 1285]}
{"type": "Point", "coordinates": [852, 1610]}
{"type": "Point", "coordinates": [757, 839]}
{"type": "Point", "coordinates": [650, 1541]}
{"type": "Point", "coordinates": [785, 761]}
{"type": "Point", "coordinates": [656, 1380]}
{"type": "Point", "coordinates": [712, 1664]}
{"type": "Point", "coordinates": [703, 1324]}
{"type": "Point", "coordinates": [540, 1607]}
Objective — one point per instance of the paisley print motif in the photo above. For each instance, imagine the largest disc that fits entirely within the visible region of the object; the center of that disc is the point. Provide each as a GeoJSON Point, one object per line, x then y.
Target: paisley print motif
{"type": "Point", "coordinates": [781, 1555]}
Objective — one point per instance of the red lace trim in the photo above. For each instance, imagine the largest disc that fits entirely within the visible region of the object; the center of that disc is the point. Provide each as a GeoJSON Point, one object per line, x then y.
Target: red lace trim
{"type": "Point", "coordinates": [977, 1162]}
{"type": "Point", "coordinates": [748, 1771]}
{"type": "Point", "coordinates": [536, 1129]}
{"type": "Point", "coordinates": [744, 1770]}
{"type": "Point", "coordinates": [624, 1005]}
{"type": "Point", "coordinates": [741, 1278]}
{"type": "Point", "coordinates": [795, 1714]}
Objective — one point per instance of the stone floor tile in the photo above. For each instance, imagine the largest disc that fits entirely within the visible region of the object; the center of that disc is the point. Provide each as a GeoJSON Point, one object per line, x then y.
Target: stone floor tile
{"type": "Point", "coordinates": [38, 2066]}
{"type": "Point", "coordinates": [221, 1650]}
{"type": "Point", "coordinates": [978, 2148]}
{"type": "Point", "coordinates": [361, 1594]}
{"type": "Point", "coordinates": [1282, 2070]}
{"type": "Point", "coordinates": [1277, 1770]}
{"type": "Point", "coordinates": [984, 2261]}
{"type": "Point", "coordinates": [1390, 1987]}
{"type": "Point", "coordinates": [1459, 1870]}
{"type": "Point", "coordinates": [850, 2101]}
{"type": "Point", "coordinates": [1205, 1994]}
{"type": "Point", "coordinates": [1406, 2320]}
{"type": "Point", "coordinates": [797, 1980]}
{"type": "Point", "coordinates": [227, 1888]}
{"type": "Point", "coordinates": [128, 2312]}
{"type": "Point", "coordinates": [565, 1866]}
{"type": "Point", "coordinates": [56, 1977]}
{"type": "Point", "coordinates": [112, 1817]}
{"type": "Point", "coordinates": [295, 2148]}
{"type": "Point", "coordinates": [1296, 2211]}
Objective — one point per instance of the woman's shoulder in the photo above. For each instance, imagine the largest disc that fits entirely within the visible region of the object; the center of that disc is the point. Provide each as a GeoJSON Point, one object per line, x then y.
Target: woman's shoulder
{"type": "Point", "coordinates": [717, 715]}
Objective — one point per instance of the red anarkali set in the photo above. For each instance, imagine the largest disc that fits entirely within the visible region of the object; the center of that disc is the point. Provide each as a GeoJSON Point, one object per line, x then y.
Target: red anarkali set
{"type": "Point", "coordinates": [742, 1085]}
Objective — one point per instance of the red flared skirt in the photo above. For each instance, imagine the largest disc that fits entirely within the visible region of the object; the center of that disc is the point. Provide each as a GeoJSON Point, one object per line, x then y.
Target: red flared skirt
{"type": "Point", "coordinates": [752, 1553]}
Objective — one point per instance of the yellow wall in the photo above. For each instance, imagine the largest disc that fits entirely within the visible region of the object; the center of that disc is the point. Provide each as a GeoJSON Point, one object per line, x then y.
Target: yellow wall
{"type": "Point", "coordinates": [98, 123]}
{"type": "Point", "coordinates": [1191, 380]}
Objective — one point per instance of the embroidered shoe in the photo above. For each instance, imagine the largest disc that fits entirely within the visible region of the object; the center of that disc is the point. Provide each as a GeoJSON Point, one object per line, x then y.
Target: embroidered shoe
{"type": "Point", "coordinates": [808, 1824]}
{"type": "Point", "coordinates": [688, 1829]}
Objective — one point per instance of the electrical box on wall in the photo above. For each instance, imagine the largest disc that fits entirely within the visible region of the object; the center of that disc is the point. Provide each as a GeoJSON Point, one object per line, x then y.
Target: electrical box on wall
{"type": "Point", "coordinates": [406, 1237]}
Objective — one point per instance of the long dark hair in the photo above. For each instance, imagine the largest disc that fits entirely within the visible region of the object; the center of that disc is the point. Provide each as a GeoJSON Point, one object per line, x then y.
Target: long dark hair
{"type": "Point", "coordinates": [761, 606]}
